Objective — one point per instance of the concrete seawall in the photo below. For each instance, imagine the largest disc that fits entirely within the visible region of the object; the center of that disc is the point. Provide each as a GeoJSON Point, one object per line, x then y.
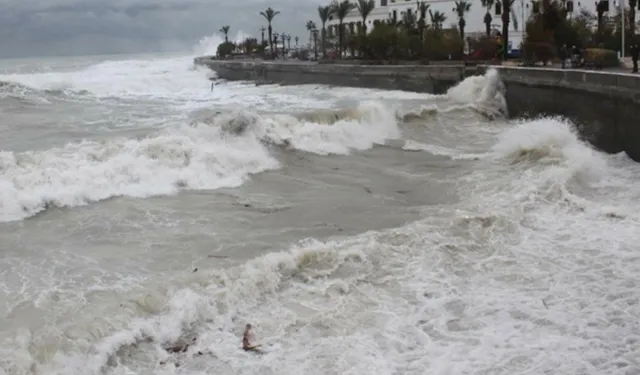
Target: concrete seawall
{"type": "Point", "coordinates": [605, 106]}
{"type": "Point", "coordinates": [421, 78]}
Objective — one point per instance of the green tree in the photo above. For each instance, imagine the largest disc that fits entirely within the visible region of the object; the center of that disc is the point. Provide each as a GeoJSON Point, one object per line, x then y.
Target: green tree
{"type": "Point", "coordinates": [507, 15]}
{"type": "Point", "coordinates": [364, 8]}
{"type": "Point", "coordinates": [462, 7]}
{"type": "Point", "coordinates": [423, 8]}
{"type": "Point", "coordinates": [269, 14]}
{"type": "Point", "coordinates": [225, 30]}
{"type": "Point", "coordinates": [409, 22]}
{"type": "Point", "coordinates": [387, 42]}
{"type": "Point", "coordinates": [310, 27]}
{"type": "Point", "coordinates": [324, 12]}
{"type": "Point", "coordinates": [600, 11]}
{"type": "Point", "coordinates": [488, 4]}
{"type": "Point", "coordinates": [284, 46]}
{"type": "Point", "coordinates": [225, 49]}
{"type": "Point", "coordinates": [274, 42]}
{"type": "Point", "coordinates": [437, 19]}
{"type": "Point", "coordinates": [341, 10]}
{"type": "Point", "coordinates": [249, 45]}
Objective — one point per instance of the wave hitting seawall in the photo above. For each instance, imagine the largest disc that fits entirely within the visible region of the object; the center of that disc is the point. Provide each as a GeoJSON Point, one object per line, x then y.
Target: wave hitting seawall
{"type": "Point", "coordinates": [605, 106]}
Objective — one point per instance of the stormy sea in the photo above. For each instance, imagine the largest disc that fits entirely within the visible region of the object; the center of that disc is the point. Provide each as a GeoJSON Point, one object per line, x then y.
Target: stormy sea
{"type": "Point", "coordinates": [359, 231]}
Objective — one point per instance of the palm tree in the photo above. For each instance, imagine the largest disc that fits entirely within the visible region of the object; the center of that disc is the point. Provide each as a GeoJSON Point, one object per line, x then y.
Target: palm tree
{"type": "Point", "coordinates": [225, 30]}
{"type": "Point", "coordinates": [632, 17]}
{"type": "Point", "coordinates": [284, 46]}
{"type": "Point", "coordinates": [461, 8]}
{"type": "Point", "coordinates": [437, 19]}
{"type": "Point", "coordinates": [269, 14]}
{"type": "Point", "coordinates": [262, 30]}
{"type": "Point", "coordinates": [507, 15]}
{"type": "Point", "coordinates": [315, 43]}
{"type": "Point", "coordinates": [488, 4]}
{"type": "Point", "coordinates": [600, 11]}
{"type": "Point", "coordinates": [408, 21]}
{"type": "Point", "coordinates": [341, 10]}
{"type": "Point", "coordinates": [276, 37]}
{"type": "Point", "coordinates": [310, 27]}
{"type": "Point", "coordinates": [296, 39]}
{"type": "Point", "coordinates": [423, 8]}
{"type": "Point", "coordinates": [325, 13]}
{"type": "Point", "coordinates": [364, 8]}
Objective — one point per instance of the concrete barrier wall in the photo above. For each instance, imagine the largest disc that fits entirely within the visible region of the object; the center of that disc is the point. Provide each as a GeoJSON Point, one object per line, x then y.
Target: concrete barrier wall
{"type": "Point", "coordinates": [419, 78]}
{"type": "Point", "coordinates": [605, 106]}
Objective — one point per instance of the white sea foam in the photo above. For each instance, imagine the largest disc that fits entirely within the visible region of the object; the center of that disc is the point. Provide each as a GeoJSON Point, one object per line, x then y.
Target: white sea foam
{"type": "Point", "coordinates": [219, 151]}
{"type": "Point", "coordinates": [374, 124]}
{"type": "Point", "coordinates": [533, 271]}
{"type": "Point", "coordinates": [188, 157]}
{"type": "Point", "coordinates": [509, 280]}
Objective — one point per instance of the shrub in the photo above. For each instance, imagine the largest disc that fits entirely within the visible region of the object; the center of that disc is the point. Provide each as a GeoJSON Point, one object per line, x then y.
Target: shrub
{"type": "Point", "coordinates": [386, 42]}
{"type": "Point", "coordinates": [538, 51]}
{"type": "Point", "coordinates": [225, 49]}
{"type": "Point", "coordinates": [601, 57]}
{"type": "Point", "coordinates": [442, 44]}
{"type": "Point", "coordinates": [484, 48]}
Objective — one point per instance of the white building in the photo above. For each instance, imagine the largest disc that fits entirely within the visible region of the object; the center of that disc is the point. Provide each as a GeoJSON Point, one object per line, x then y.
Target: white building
{"type": "Point", "coordinates": [384, 10]}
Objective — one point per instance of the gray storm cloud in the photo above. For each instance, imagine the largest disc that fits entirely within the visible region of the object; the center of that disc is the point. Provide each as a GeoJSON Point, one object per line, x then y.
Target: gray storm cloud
{"type": "Point", "coordinates": [74, 27]}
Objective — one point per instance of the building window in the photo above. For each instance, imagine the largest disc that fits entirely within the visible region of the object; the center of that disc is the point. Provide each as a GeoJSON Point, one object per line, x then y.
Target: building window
{"type": "Point", "coordinates": [383, 3]}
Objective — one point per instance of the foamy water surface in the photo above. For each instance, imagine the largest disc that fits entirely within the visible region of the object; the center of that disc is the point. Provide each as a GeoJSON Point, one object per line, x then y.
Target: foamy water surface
{"type": "Point", "coordinates": [359, 231]}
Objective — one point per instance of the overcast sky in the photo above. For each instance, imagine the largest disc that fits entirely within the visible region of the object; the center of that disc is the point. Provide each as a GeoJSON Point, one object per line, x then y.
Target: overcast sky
{"type": "Point", "coordinates": [77, 27]}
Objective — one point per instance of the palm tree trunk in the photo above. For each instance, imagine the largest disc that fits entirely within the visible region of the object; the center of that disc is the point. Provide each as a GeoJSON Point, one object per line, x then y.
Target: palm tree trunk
{"type": "Point", "coordinates": [461, 25]}
{"type": "Point", "coordinates": [487, 28]}
{"type": "Point", "coordinates": [340, 39]}
{"type": "Point", "coordinates": [506, 14]}
{"type": "Point", "coordinates": [270, 31]}
{"type": "Point", "coordinates": [324, 50]}
{"type": "Point", "coordinates": [600, 19]}
{"type": "Point", "coordinates": [632, 18]}
{"type": "Point", "coordinates": [363, 30]}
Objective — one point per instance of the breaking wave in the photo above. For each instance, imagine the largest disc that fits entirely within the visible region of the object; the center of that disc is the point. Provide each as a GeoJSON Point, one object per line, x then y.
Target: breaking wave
{"type": "Point", "coordinates": [217, 149]}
